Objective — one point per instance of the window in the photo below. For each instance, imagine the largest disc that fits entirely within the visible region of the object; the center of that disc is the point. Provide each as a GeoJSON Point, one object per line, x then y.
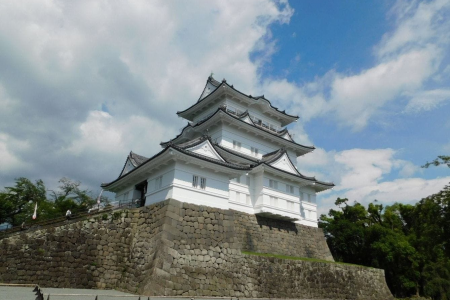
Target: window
{"type": "Point", "coordinates": [248, 199]}
{"type": "Point", "coordinates": [307, 216]}
{"type": "Point", "coordinates": [273, 201]}
{"type": "Point", "coordinates": [309, 198]}
{"type": "Point", "coordinates": [254, 151]}
{"type": "Point", "coordinates": [195, 181]}
{"type": "Point", "coordinates": [289, 189]}
{"type": "Point", "coordinates": [247, 180]}
{"type": "Point", "coordinates": [197, 184]}
{"type": "Point", "coordinates": [273, 184]}
{"type": "Point", "coordinates": [302, 197]}
{"type": "Point", "coordinates": [125, 196]}
{"type": "Point", "coordinates": [238, 179]}
{"type": "Point", "coordinates": [236, 145]}
{"type": "Point", "coordinates": [158, 182]}
{"type": "Point", "coordinates": [203, 183]}
{"type": "Point", "coordinates": [238, 196]}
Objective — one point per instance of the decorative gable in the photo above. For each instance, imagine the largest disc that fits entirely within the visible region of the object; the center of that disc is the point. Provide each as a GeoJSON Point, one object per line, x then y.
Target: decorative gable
{"type": "Point", "coordinates": [287, 136]}
{"type": "Point", "coordinates": [247, 119]}
{"type": "Point", "coordinates": [285, 164]}
{"type": "Point", "coordinates": [209, 88]}
{"type": "Point", "coordinates": [128, 167]}
{"type": "Point", "coordinates": [206, 149]}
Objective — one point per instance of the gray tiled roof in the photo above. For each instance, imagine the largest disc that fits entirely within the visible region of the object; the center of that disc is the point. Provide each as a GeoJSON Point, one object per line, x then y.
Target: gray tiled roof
{"type": "Point", "coordinates": [137, 159]}
{"type": "Point", "coordinates": [279, 134]}
{"type": "Point", "coordinates": [217, 83]}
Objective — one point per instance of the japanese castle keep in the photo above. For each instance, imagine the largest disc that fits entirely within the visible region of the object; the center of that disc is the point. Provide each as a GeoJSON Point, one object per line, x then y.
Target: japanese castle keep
{"type": "Point", "coordinates": [235, 153]}
{"type": "Point", "coordinates": [226, 188]}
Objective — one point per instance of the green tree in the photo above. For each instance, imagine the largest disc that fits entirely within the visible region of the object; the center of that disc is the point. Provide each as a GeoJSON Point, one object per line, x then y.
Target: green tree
{"type": "Point", "coordinates": [17, 202]}
{"type": "Point", "coordinates": [70, 196]}
{"type": "Point", "coordinates": [440, 160]}
{"type": "Point", "coordinates": [410, 242]}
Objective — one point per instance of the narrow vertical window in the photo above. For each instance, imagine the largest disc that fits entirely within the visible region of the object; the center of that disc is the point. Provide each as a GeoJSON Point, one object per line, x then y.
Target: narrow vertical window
{"type": "Point", "coordinates": [195, 181]}
{"type": "Point", "coordinates": [236, 145]}
{"type": "Point", "coordinates": [255, 151]}
{"type": "Point", "coordinates": [247, 179]}
{"type": "Point", "coordinates": [203, 183]}
{"type": "Point", "coordinates": [273, 184]}
{"type": "Point", "coordinates": [289, 189]}
{"type": "Point", "coordinates": [158, 182]}
{"type": "Point", "coordinates": [248, 200]}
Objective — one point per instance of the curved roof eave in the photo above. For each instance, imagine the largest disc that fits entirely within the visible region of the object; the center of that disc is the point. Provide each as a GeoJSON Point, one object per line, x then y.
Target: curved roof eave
{"type": "Point", "coordinates": [294, 118]}
{"type": "Point", "coordinates": [243, 156]}
{"type": "Point", "coordinates": [310, 148]}
{"type": "Point", "coordinates": [186, 152]}
{"type": "Point", "coordinates": [213, 82]}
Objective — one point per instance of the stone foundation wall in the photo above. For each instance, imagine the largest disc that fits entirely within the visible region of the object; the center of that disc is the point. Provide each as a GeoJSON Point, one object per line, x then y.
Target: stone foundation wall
{"type": "Point", "coordinates": [173, 248]}
{"type": "Point", "coordinates": [280, 237]}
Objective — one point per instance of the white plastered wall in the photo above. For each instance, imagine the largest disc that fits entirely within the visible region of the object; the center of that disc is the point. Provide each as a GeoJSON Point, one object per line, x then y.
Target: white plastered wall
{"type": "Point", "coordinates": [284, 200]}
{"type": "Point", "coordinates": [215, 194]}
{"type": "Point", "coordinates": [242, 193]}
{"type": "Point", "coordinates": [158, 192]}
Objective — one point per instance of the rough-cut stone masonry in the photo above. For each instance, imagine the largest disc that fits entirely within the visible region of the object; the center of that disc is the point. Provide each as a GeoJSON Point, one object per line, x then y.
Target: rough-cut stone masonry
{"type": "Point", "coordinates": [280, 237]}
{"type": "Point", "coordinates": [173, 248]}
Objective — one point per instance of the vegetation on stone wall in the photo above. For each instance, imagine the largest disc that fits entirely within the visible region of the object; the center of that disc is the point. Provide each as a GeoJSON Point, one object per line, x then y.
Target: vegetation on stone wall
{"type": "Point", "coordinates": [410, 242]}
{"type": "Point", "coordinates": [17, 203]}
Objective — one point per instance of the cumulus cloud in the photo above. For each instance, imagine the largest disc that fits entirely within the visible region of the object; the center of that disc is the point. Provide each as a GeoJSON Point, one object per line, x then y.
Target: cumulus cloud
{"type": "Point", "coordinates": [365, 175]}
{"type": "Point", "coordinates": [406, 59]}
{"type": "Point", "coordinates": [85, 82]}
{"type": "Point", "coordinates": [427, 100]}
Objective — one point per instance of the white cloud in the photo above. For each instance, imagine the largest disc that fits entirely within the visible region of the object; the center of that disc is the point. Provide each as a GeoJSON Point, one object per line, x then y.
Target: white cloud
{"type": "Point", "coordinates": [427, 100]}
{"type": "Point", "coordinates": [9, 160]}
{"type": "Point", "coordinates": [365, 175]}
{"type": "Point", "coordinates": [356, 98]}
{"type": "Point", "coordinates": [418, 24]}
{"type": "Point", "coordinates": [139, 61]}
{"type": "Point", "coordinates": [407, 58]}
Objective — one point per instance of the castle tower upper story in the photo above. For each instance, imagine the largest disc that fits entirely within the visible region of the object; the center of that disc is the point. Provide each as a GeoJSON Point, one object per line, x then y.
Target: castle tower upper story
{"type": "Point", "coordinates": [250, 125]}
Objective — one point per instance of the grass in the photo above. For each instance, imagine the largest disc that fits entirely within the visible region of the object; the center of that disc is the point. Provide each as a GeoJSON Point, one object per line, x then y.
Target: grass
{"type": "Point", "coordinates": [299, 258]}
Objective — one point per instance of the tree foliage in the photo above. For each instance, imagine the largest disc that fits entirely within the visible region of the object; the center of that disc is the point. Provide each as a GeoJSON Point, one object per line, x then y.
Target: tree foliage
{"type": "Point", "coordinates": [410, 242]}
{"type": "Point", "coordinates": [17, 203]}
{"type": "Point", "coordinates": [440, 160]}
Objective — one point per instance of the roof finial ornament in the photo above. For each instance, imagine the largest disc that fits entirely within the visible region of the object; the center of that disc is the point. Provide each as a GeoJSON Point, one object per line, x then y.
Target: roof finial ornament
{"type": "Point", "coordinates": [224, 80]}
{"type": "Point", "coordinates": [212, 74]}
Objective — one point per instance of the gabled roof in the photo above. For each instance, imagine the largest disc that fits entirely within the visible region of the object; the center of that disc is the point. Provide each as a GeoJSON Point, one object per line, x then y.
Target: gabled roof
{"type": "Point", "coordinates": [133, 160]}
{"type": "Point", "coordinates": [136, 159]}
{"type": "Point", "coordinates": [184, 150]}
{"type": "Point", "coordinates": [220, 110]}
{"type": "Point", "coordinates": [270, 159]}
{"type": "Point", "coordinates": [212, 83]}
{"type": "Point", "coordinates": [224, 151]}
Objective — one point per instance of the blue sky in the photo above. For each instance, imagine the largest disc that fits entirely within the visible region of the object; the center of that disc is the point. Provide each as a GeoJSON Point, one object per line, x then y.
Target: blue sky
{"type": "Point", "coordinates": [83, 83]}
